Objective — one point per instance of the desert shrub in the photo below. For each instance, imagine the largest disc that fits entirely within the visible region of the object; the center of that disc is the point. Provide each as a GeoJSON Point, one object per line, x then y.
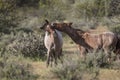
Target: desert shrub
{"type": "Point", "coordinates": [115, 65]}
{"type": "Point", "coordinates": [97, 60]}
{"type": "Point", "coordinates": [100, 60]}
{"type": "Point", "coordinates": [8, 17]}
{"type": "Point", "coordinates": [115, 29]}
{"type": "Point", "coordinates": [27, 44]}
{"type": "Point", "coordinates": [15, 68]}
{"type": "Point", "coordinates": [114, 8]}
{"type": "Point", "coordinates": [76, 68]}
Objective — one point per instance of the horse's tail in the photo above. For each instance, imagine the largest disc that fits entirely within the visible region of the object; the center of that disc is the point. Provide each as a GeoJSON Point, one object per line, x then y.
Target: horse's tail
{"type": "Point", "coordinates": [118, 42]}
{"type": "Point", "coordinates": [117, 51]}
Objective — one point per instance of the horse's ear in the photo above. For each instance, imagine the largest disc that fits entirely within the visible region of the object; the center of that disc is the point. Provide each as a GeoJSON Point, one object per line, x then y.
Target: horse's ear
{"type": "Point", "coordinates": [46, 21]}
{"type": "Point", "coordinates": [70, 23]}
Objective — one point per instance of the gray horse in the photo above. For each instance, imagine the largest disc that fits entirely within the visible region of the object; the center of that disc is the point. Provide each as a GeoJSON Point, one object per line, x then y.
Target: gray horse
{"type": "Point", "coordinates": [53, 42]}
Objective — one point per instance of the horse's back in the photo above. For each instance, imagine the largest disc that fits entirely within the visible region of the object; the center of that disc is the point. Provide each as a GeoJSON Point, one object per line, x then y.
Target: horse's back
{"type": "Point", "coordinates": [109, 39]}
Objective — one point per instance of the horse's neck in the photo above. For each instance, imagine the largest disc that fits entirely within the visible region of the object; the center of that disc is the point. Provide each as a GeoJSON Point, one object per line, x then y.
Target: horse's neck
{"type": "Point", "coordinates": [74, 35]}
{"type": "Point", "coordinates": [80, 31]}
{"type": "Point", "coordinates": [47, 33]}
{"type": "Point", "coordinates": [52, 34]}
{"type": "Point", "coordinates": [77, 38]}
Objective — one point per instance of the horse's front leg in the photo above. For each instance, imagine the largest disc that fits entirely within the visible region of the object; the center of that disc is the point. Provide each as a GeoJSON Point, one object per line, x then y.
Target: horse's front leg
{"type": "Point", "coordinates": [82, 51]}
{"type": "Point", "coordinates": [48, 58]}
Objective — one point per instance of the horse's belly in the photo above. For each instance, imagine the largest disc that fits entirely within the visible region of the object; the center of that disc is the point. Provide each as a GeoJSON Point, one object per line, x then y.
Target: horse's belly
{"type": "Point", "coordinates": [95, 43]}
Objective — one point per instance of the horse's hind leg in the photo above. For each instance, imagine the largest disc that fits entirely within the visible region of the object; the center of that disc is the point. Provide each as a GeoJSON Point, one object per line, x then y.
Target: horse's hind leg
{"type": "Point", "coordinates": [108, 53]}
{"type": "Point", "coordinates": [60, 56]}
{"type": "Point", "coordinates": [117, 54]}
{"type": "Point", "coordinates": [55, 56]}
{"type": "Point", "coordinates": [51, 60]}
{"type": "Point", "coordinates": [52, 56]}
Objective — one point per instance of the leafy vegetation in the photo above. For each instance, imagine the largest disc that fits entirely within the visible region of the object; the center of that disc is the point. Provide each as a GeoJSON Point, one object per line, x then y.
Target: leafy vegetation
{"type": "Point", "coordinates": [75, 68]}
{"type": "Point", "coordinates": [20, 36]}
{"type": "Point", "coordinates": [14, 68]}
{"type": "Point", "coordinates": [116, 29]}
{"type": "Point", "coordinates": [28, 44]}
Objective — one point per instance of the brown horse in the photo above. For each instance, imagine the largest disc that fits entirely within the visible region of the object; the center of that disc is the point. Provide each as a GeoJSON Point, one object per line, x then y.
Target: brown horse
{"type": "Point", "coordinates": [53, 42]}
{"type": "Point", "coordinates": [87, 41]}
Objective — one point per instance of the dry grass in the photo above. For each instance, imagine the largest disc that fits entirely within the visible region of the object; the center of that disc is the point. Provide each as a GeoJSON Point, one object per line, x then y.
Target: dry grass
{"type": "Point", "coordinates": [42, 71]}
{"type": "Point", "coordinates": [107, 74]}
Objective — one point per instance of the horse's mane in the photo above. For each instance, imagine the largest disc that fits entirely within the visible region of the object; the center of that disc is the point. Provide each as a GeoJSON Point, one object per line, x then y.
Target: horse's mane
{"type": "Point", "coordinates": [79, 30]}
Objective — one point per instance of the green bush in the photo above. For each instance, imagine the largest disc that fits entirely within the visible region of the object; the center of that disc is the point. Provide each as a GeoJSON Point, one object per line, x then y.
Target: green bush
{"type": "Point", "coordinates": [116, 65]}
{"type": "Point", "coordinates": [115, 29]}
{"type": "Point", "coordinates": [8, 17]}
{"type": "Point", "coordinates": [15, 68]}
{"type": "Point", "coordinates": [96, 60]}
{"type": "Point", "coordinates": [28, 44]}
{"type": "Point", "coordinates": [76, 68]}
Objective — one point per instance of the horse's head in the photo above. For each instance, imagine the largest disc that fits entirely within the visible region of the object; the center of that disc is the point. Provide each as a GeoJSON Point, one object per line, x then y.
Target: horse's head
{"type": "Point", "coordinates": [47, 26]}
{"type": "Point", "coordinates": [61, 26]}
